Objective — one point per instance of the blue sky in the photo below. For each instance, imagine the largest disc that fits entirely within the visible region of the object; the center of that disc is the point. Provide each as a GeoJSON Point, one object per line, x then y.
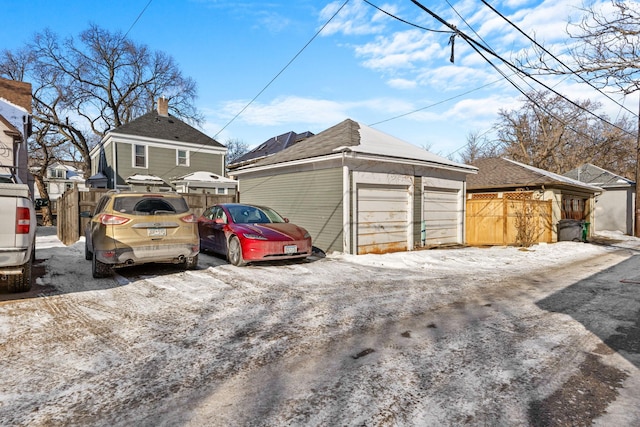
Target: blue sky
{"type": "Point", "coordinates": [363, 65]}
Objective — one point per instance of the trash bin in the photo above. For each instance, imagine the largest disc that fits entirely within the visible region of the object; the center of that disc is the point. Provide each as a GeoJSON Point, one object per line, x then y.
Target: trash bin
{"type": "Point", "coordinates": [570, 230]}
{"type": "Point", "coordinates": [585, 230]}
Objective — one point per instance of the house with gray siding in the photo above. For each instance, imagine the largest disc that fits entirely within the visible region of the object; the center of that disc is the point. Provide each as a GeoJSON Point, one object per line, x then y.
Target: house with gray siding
{"type": "Point", "coordinates": [358, 190]}
{"type": "Point", "coordinates": [614, 208]}
{"type": "Point", "coordinates": [155, 144]}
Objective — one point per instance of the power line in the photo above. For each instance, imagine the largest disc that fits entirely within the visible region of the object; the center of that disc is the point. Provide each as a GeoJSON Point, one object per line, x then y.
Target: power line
{"type": "Point", "coordinates": [283, 69]}
{"type": "Point", "coordinates": [478, 46]}
{"type": "Point", "coordinates": [136, 21]}
{"type": "Point", "coordinates": [572, 72]}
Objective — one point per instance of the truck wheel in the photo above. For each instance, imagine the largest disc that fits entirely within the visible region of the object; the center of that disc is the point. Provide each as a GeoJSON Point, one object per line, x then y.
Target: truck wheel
{"type": "Point", "coordinates": [21, 282]}
{"type": "Point", "coordinates": [99, 269]}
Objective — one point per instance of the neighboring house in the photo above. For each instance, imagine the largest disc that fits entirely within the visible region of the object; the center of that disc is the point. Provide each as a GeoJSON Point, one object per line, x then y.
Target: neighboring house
{"type": "Point", "coordinates": [616, 206]}
{"type": "Point", "coordinates": [205, 182]}
{"type": "Point", "coordinates": [507, 196]}
{"type": "Point", "coordinates": [15, 128]}
{"type": "Point", "coordinates": [358, 190]}
{"type": "Point", "coordinates": [61, 177]}
{"type": "Point", "coordinates": [154, 145]}
{"type": "Point", "coordinates": [268, 148]}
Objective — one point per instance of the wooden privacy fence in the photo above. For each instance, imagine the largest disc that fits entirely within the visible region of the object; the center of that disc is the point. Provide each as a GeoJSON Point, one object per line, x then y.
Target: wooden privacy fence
{"type": "Point", "coordinates": [71, 226]}
{"type": "Point", "coordinates": [508, 221]}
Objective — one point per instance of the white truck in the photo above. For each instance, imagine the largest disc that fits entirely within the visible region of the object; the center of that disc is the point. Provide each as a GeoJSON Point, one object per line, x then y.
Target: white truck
{"type": "Point", "coordinates": [17, 235]}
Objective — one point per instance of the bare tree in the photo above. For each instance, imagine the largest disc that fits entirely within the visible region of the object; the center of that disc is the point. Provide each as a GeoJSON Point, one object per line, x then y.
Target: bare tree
{"type": "Point", "coordinates": [236, 148]}
{"type": "Point", "coordinates": [554, 134]}
{"type": "Point", "coordinates": [606, 53]}
{"type": "Point", "coordinates": [478, 147]}
{"type": "Point", "coordinates": [84, 88]}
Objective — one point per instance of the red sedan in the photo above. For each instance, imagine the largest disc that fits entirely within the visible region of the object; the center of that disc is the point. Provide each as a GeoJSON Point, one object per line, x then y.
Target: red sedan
{"type": "Point", "coordinates": [247, 233]}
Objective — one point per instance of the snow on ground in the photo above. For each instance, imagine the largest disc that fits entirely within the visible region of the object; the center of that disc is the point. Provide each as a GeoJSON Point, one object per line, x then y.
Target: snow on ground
{"type": "Point", "coordinates": [471, 336]}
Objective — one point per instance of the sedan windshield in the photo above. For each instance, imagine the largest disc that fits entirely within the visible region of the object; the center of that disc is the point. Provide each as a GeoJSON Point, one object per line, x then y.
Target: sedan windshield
{"type": "Point", "coordinates": [244, 214]}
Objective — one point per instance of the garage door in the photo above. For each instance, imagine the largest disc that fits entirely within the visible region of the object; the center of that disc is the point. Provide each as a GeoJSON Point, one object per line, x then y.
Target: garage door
{"type": "Point", "coordinates": [382, 218]}
{"type": "Point", "coordinates": [441, 215]}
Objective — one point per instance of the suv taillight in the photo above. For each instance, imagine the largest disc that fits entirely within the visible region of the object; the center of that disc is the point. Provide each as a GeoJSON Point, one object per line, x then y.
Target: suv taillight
{"type": "Point", "coordinates": [107, 219]}
{"type": "Point", "coordinates": [191, 218]}
{"type": "Point", "coordinates": [23, 220]}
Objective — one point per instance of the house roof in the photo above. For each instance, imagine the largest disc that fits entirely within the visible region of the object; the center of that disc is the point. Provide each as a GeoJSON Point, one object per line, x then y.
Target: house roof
{"type": "Point", "coordinates": [167, 127]}
{"type": "Point", "coordinates": [500, 173]}
{"type": "Point", "coordinates": [597, 176]}
{"type": "Point", "coordinates": [270, 147]}
{"type": "Point", "coordinates": [354, 137]}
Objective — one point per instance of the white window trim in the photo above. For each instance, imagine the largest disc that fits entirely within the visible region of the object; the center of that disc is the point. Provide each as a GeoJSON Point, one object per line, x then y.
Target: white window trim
{"type": "Point", "coordinates": [133, 156]}
{"type": "Point", "coordinates": [188, 158]}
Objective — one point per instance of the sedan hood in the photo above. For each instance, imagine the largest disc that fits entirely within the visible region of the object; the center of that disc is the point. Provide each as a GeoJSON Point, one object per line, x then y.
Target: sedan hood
{"type": "Point", "coordinates": [272, 231]}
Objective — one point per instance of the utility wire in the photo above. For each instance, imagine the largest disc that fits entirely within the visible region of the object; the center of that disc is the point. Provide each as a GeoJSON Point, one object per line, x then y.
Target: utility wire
{"type": "Point", "coordinates": [557, 59]}
{"type": "Point", "coordinates": [136, 21]}
{"type": "Point", "coordinates": [478, 46]}
{"type": "Point", "coordinates": [283, 69]}
{"type": "Point", "coordinates": [407, 22]}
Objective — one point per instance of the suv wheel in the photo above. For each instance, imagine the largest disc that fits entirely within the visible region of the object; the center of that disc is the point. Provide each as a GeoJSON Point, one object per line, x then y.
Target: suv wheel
{"type": "Point", "coordinates": [99, 269]}
{"type": "Point", "coordinates": [191, 263]}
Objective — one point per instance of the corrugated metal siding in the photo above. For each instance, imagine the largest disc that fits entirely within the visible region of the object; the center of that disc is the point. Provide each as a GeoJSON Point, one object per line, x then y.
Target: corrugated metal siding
{"type": "Point", "coordinates": [311, 199]}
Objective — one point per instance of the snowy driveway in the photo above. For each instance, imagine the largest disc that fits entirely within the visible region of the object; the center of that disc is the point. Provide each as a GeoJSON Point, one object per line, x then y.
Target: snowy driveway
{"type": "Point", "coordinates": [499, 337]}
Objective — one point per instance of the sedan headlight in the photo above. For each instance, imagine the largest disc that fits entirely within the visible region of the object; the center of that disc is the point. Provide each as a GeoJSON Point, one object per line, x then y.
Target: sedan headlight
{"type": "Point", "coordinates": [254, 236]}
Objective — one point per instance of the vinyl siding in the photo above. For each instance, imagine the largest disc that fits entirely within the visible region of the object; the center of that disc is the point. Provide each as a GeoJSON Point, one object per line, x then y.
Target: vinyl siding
{"type": "Point", "coordinates": [162, 163]}
{"type": "Point", "coordinates": [311, 199]}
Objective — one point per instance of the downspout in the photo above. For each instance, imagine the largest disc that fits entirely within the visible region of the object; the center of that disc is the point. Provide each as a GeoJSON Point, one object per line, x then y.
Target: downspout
{"type": "Point", "coordinates": [346, 208]}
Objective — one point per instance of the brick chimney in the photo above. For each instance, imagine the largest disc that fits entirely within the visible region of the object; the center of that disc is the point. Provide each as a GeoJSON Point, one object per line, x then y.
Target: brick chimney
{"type": "Point", "coordinates": [18, 93]}
{"type": "Point", "coordinates": [163, 107]}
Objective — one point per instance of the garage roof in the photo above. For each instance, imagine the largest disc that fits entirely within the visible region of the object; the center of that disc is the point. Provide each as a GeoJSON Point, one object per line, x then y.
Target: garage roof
{"type": "Point", "coordinates": [354, 137]}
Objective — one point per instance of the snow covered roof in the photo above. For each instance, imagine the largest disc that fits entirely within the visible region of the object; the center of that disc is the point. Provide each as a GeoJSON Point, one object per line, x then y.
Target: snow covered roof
{"type": "Point", "coordinates": [504, 173]}
{"type": "Point", "coordinates": [203, 176]}
{"type": "Point", "coordinates": [353, 137]}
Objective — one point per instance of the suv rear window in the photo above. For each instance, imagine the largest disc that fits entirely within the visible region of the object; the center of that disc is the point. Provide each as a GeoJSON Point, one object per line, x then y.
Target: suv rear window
{"type": "Point", "coordinates": [150, 205]}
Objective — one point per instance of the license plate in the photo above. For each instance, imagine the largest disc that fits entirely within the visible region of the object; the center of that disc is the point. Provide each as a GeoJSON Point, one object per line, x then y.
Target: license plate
{"type": "Point", "coordinates": [290, 249]}
{"type": "Point", "coordinates": [156, 232]}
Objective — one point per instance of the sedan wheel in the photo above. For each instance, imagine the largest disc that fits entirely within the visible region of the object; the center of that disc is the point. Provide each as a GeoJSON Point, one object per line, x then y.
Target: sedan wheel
{"type": "Point", "coordinates": [234, 254]}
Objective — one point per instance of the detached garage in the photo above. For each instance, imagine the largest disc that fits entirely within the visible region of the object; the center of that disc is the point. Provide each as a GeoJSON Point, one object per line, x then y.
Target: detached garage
{"type": "Point", "coordinates": [358, 190]}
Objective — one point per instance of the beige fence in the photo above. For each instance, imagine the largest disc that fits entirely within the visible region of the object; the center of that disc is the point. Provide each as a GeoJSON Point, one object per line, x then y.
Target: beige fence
{"type": "Point", "coordinates": [507, 221]}
{"type": "Point", "coordinates": [70, 226]}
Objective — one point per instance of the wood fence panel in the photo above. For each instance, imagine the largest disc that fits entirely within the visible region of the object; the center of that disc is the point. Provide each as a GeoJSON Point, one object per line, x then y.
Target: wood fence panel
{"type": "Point", "coordinates": [67, 207]}
{"type": "Point", "coordinates": [70, 227]}
{"type": "Point", "coordinates": [485, 222]}
{"type": "Point", "coordinates": [498, 221]}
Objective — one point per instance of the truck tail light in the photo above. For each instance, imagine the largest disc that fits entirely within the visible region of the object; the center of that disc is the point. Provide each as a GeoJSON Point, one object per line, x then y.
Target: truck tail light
{"type": "Point", "coordinates": [23, 220]}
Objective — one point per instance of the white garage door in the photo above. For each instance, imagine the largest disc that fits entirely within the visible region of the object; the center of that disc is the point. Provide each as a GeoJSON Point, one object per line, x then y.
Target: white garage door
{"type": "Point", "coordinates": [441, 215]}
{"type": "Point", "coordinates": [382, 218]}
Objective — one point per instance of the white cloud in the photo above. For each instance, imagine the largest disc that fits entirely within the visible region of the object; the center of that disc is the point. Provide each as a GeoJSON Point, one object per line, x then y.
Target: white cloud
{"type": "Point", "coordinates": [402, 83]}
{"type": "Point", "coordinates": [353, 19]}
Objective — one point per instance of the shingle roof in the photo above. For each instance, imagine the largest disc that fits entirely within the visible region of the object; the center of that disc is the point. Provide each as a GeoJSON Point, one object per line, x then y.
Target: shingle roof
{"type": "Point", "coordinates": [595, 175]}
{"type": "Point", "coordinates": [501, 173]}
{"type": "Point", "coordinates": [270, 147]}
{"type": "Point", "coordinates": [154, 125]}
{"type": "Point", "coordinates": [351, 136]}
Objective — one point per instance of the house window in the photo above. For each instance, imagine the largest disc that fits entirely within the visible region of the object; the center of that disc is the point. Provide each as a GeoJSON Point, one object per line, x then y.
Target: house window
{"type": "Point", "coordinates": [139, 156]}
{"type": "Point", "coordinates": [222, 191]}
{"type": "Point", "coordinates": [182, 158]}
{"type": "Point", "coordinates": [573, 207]}
{"type": "Point", "coordinates": [57, 173]}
